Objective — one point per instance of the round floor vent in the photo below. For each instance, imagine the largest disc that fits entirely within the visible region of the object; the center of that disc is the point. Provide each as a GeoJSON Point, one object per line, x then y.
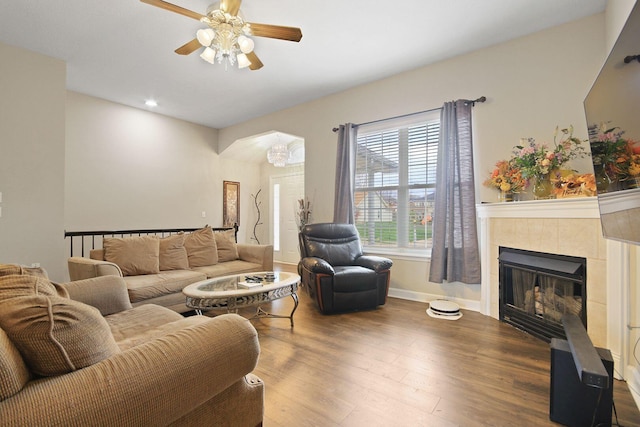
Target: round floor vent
{"type": "Point", "coordinates": [444, 309]}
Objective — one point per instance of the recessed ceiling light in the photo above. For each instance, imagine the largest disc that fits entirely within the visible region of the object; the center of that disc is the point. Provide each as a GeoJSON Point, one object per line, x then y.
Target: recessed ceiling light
{"type": "Point", "coordinates": [150, 103]}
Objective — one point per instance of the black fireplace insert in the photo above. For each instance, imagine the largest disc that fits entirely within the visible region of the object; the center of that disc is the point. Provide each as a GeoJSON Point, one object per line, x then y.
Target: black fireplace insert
{"type": "Point", "coordinates": [537, 289]}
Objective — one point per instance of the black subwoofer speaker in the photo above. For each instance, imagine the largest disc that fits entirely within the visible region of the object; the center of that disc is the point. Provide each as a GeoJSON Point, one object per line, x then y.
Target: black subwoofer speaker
{"type": "Point", "coordinates": [573, 403]}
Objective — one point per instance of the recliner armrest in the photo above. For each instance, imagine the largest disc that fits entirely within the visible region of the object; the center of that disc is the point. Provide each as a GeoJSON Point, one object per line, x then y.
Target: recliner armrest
{"type": "Point", "coordinates": [372, 262]}
{"type": "Point", "coordinates": [317, 265]}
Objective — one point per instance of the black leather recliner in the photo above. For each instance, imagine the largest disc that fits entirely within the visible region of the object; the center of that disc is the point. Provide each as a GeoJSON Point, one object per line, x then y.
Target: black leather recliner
{"type": "Point", "coordinates": [336, 274]}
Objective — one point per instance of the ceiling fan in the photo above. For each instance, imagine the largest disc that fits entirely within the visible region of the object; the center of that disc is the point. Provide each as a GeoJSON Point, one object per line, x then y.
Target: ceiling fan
{"type": "Point", "coordinates": [227, 38]}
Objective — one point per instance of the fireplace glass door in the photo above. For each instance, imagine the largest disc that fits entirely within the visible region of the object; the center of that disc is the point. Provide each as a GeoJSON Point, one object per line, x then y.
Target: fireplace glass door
{"type": "Point", "coordinates": [537, 289]}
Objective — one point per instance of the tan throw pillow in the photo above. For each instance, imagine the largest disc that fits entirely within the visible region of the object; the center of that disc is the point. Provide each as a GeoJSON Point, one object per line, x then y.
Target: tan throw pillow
{"type": "Point", "coordinates": [7, 269]}
{"type": "Point", "coordinates": [134, 255]}
{"type": "Point", "coordinates": [56, 335]}
{"type": "Point", "coordinates": [14, 373]}
{"type": "Point", "coordinates": [226, 243]}
{"type": "Point", "coordinates": [16, 285]}
{"type": "Point", "coordinates": [173, 255]}
{"type": "Point", "coordinates": [201, 248]}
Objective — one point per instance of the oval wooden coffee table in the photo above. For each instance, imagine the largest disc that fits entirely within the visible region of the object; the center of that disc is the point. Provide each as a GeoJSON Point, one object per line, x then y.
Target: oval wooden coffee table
{"type": "Point", "coordinates": [234, 292]}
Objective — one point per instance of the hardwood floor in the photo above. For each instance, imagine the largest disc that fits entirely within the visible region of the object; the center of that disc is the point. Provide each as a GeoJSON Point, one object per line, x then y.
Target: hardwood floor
{"type": "Point", "coordinates": [396, 366]}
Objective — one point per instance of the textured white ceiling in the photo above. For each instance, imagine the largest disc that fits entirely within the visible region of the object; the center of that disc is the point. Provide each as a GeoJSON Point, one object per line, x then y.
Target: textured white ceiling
{"type": "Point", "coordinates": [122, 50]}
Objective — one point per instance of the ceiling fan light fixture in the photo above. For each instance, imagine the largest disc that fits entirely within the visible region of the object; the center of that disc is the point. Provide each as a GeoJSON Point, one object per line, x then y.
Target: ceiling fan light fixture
{"type": "Point", "coordinates": [208, 55]}
{"type": "Point", "coordinates": [226, 36]}
{"type": "Point", "coordinates": [243, 61]}
{"type": "Point", "coordinates": [205, 36]}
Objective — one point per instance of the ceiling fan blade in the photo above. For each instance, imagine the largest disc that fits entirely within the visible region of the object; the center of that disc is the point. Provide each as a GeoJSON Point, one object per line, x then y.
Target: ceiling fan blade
{"type": "Point", "coordinates": [173, 8]}
{"type": "Point", "coordinates": [256, 64]}
{"type": "Point", "coordinates": [232, 7]}
{"type": "Point", "coordinates": [188, 47]}
{"type": "Point", "coordinates": [276, 32]}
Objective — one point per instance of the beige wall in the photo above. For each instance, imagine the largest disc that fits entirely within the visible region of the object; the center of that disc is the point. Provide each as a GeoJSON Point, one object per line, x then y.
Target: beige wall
{"type": "Point", "coordinates": [32, 116]}
{"type": "Point", "coordinates": [532, 84]}
{"type": "Point", "coordinates": [130, 168]}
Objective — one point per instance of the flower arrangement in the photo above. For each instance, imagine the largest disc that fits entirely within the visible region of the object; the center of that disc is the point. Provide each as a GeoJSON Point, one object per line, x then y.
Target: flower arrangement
{"type": "Point", "coordinates": [541, 164]}
{"type": "Point", "coordinates": [575, 185]}
{"type": "Point", "coordinates": [539, 159]}
{"type": "Point", "coordinates": [611, 150]}
{"type": "Point", "coordinates": [506, 177]}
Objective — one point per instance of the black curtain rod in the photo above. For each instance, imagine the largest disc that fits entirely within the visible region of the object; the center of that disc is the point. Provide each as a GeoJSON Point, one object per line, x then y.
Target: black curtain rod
{"type": "Point", "coordinates": [473, 103]}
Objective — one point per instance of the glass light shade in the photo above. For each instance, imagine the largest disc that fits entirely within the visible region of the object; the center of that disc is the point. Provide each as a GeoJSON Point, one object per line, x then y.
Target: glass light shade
{"type": "Point", "coordinates": [278, 155]}
{"type": "Point", "coordinates": [243, 61]}
{"type": "Point", "coordinates": [205, 36]}
{"type": "Point", "coordinates": [208, 55]}
{"type": "Point", "coordinates": [246, 44]}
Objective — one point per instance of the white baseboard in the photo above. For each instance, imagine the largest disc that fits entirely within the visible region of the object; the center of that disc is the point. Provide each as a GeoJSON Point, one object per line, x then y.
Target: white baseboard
{"type": "Point", "coordinates": [633, 382]}
{"type": "Point", "coordinates": [424, 297]}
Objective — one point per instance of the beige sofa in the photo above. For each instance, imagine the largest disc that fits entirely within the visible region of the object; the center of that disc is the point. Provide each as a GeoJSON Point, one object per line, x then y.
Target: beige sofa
{"type": "Point", "coordinates": [80, 354]}
{"type": "Point", "coordinates": [157, 269]}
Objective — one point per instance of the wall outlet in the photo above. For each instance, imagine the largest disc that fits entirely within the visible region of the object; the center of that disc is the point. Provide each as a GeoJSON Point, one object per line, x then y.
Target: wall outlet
{"type": "Point", "coordinates": [204, 214]}
{"type": "Point", "coordinates": [35, 265]}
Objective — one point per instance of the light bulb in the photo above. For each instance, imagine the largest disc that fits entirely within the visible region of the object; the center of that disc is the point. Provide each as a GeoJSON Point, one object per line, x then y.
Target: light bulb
{"type": "Point", "coordinates": [205, 36]}
{"type": "Point", "coordinates": [245, 43]}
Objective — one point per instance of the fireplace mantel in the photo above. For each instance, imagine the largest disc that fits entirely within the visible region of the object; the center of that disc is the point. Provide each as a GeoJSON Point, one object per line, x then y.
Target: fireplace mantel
{"type": "Point", "coordinates": [568, 226]}
{"type": "Point", "coordinates": [576, 207]}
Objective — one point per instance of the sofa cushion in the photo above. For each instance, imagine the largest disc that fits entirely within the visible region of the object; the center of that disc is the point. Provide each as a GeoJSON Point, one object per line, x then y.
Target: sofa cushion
{"type": "Point", "coordinates": [226, 244]}
{"type": "Point", "coordinates": [146, 322]}
{"type": "Point", "coordinates": [201, 247]}
{"type": "Point", "coordinates": [228, 268]}
{"type": "Point", "coordinates": [134, 255]}
{"type": "Point", "coordinates": [173, 255]}
{"type": "Point", "coordinates": [56, 335]}
{"type": "Point", "coordinates": [14, 374]}
{"type": "Point", "coordinates": [155, 285]}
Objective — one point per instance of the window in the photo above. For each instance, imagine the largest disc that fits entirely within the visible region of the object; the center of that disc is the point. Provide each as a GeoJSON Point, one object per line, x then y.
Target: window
{"type": "Point", "coordinates": [276, 217]}
{"type": "Point", "coordinates": [395, 182]}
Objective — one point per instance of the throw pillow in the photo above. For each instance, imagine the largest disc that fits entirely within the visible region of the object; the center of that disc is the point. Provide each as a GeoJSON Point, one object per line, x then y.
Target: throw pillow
{"type": "Point", "coordinates": [134, 255]}
{"type": "Point", "coordinates": [201, 248]}
{"type": "Point", "coordinates": [7, 269]}
{"type": "Point", "coordinates": [15, 280]}
{"type": "Point", "coordinates": [14, 373]}
{"type": "Point", "coordinates": [17, 285]}
{"type": "Point", "coordinates": [173, 255]}
{"type": "Point", "coordinates": [56, 335]}
{"type": "Point", "coordinates": [227, 247]}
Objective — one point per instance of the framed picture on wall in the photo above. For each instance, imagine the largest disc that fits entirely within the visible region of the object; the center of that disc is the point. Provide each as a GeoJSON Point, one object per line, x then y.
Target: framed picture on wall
{"type": "Point", "coordinates": [230, 203]}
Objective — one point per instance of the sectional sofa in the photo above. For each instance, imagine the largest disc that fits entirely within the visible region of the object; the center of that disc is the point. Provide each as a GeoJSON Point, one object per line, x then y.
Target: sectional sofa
{"type": "Point", "coordinates": [156, 269]}
{"type": "Point", "coordinates": [78, 354]}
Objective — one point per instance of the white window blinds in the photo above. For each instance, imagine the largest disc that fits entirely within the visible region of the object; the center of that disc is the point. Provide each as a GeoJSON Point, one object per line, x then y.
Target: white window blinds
{"type": "Point", "coordinates": [395, 181]}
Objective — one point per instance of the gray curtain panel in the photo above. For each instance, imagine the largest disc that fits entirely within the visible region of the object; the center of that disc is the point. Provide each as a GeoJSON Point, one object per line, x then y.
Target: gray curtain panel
{"type": "Point", "coordinates": [455, 255]}
{"type": "Point", "coordinates": [345, 175]}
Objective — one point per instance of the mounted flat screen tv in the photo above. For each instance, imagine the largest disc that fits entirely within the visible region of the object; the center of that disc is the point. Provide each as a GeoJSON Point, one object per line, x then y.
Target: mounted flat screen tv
{"type": "Point", "coordinates": [613, 103]}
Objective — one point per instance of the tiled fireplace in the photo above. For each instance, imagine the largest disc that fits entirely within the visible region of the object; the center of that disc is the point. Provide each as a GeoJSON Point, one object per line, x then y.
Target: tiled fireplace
{"type": "Point", "coordinates": [562, 226]}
